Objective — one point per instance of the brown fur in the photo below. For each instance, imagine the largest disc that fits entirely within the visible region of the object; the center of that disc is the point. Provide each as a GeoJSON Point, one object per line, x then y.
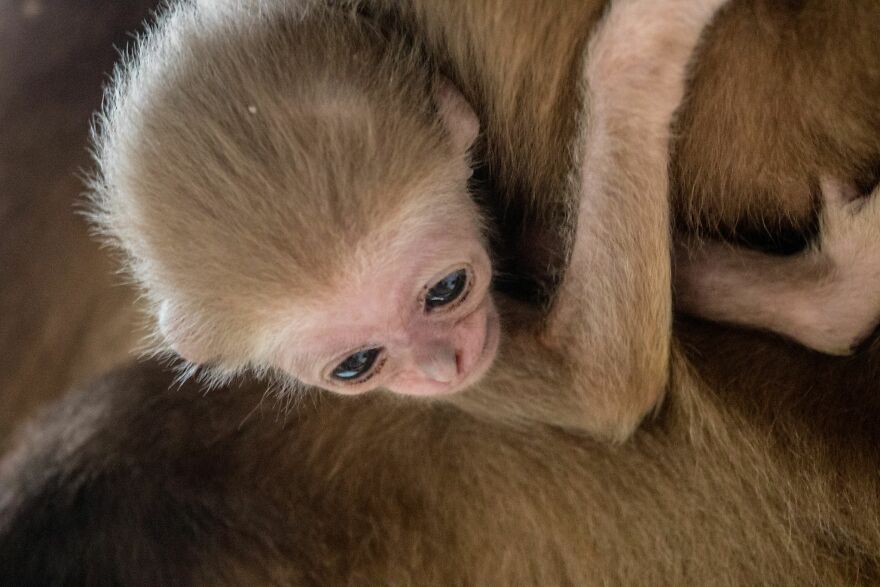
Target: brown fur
{"type": "Point", "coordinates": [132, 481]}
{"type": "Point", "coordinates": [751, 156]}
{"type": "Point", "coordinates": [746, 155]}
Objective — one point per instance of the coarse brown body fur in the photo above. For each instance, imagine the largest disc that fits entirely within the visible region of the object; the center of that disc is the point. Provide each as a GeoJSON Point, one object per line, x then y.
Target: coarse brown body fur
{"type": "Point", "coordinates": [144, 484]}
{"type": "Point", "coordinates": [715, 489]}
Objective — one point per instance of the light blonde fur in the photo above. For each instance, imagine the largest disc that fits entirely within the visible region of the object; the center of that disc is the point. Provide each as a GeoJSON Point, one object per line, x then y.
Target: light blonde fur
{"type": "Point", "coordinates": [225, 208]}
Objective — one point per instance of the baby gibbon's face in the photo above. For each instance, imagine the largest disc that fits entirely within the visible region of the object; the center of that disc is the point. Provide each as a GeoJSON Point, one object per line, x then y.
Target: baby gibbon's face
{"type": "Point", "coordinates": [423, 323]}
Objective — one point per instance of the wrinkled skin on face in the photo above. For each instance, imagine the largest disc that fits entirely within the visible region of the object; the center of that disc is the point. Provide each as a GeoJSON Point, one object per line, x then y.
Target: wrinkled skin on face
{"type": "Point", "coordinates": [420, 322]}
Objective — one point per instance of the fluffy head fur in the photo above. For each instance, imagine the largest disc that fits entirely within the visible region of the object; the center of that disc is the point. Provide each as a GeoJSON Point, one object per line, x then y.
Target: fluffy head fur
{"type": "Point", "coordinates": [236, 160]}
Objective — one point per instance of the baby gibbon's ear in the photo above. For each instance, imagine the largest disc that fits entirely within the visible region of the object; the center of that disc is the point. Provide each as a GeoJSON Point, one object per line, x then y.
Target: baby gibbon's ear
{"type": "Point", "coordinates": [457, 115]}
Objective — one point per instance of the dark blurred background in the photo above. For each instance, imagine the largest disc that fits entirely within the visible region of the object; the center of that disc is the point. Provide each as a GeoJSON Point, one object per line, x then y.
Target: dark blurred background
{"type": "Point", "coordinates": [63, 315]}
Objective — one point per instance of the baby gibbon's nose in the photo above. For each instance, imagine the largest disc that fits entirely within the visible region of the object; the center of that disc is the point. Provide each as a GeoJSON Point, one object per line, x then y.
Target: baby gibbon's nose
{"type": "Point", "coordinates": [438, 362]}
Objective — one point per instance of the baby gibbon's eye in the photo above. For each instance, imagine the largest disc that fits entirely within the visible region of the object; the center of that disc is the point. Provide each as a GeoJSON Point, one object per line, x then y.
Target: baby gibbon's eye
{"type": "Point", "coordinates": [356, 365]}
{"type": "Point", "coordinates": [446, 290]}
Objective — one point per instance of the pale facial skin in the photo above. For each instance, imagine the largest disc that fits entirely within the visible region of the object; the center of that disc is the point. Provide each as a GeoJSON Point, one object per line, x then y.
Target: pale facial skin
{"type": "Point", "coordinates": [421, 324]}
